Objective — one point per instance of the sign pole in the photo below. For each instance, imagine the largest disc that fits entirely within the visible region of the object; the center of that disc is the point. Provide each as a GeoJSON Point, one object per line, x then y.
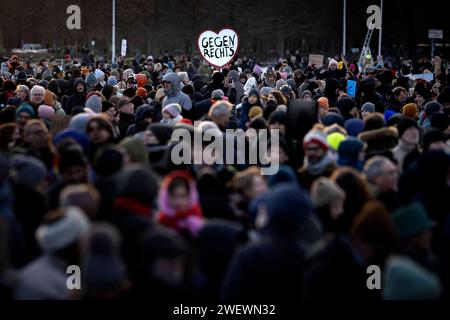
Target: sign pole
{"type": "Point", "coordinates": [432, 49]}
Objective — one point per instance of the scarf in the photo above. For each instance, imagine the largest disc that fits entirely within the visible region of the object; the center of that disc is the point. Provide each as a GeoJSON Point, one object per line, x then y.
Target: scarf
{"type": "Point", "coordinates": [318, 168]}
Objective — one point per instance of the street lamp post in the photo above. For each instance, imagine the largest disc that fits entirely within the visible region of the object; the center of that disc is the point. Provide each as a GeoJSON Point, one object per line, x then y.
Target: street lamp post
{"type": "Point", "coordinates": [113, 44]}
{"type": "Point", "coordinates": [381, 28]}
{"type": "Point", "coordinates": [344, 28]}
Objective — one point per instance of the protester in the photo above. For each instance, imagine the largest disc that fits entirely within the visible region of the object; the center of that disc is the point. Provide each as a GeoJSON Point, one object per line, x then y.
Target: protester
{"type": "Point", "coordinates": [358, 180]}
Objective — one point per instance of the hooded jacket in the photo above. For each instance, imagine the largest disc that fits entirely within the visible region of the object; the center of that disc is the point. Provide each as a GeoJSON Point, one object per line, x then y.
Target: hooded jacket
{"type": "Point", "coordinates": [234, 75]}
{"type": "Point", "coordinates": [76, 99]}
{"type": "Point", "coordinates": [176, 95]}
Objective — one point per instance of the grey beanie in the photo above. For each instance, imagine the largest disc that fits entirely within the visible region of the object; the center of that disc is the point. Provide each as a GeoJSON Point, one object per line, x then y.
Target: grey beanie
{"type": "Point", "coordinates": [28, 171]}
{"type": "Point", "coordinates": [368, 107]}
{"type": "Point", "coordinates": [94, 103]}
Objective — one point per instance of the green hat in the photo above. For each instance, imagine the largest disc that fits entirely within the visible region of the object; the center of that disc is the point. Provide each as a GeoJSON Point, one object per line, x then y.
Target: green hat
{"type": "Point", "coordinates": [404, 279]}
{"type": "Point", "coordinates": [25, 107]}
{"type": "Point", "coordinates": [411, 220]}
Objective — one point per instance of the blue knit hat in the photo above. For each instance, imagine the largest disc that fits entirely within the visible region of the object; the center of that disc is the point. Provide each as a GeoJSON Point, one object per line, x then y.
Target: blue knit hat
{"type": "Point", "coordinates": [348, 153]}
{"type": "Point", "coordinates": [354, 127]}
{"type": "Point", "coordinates": [288, 206]}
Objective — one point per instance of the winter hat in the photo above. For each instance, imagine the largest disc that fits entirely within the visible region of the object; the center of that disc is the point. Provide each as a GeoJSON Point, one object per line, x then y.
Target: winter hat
{"type": "Point", "coordinates": [334, 139]}
{"type": "Point", "coordinates": [405, 279]}
{"type": "Point", "coordinates": [79, 122]}
{"type": "Point", "coordinates": [304, 93]}
{"type": "Point", "coordinates": [288, 207]}
{"type": "Point", "coordinates": [174, 109]}
{"type": "Point", "coordinates": [405, 124]}
{"type": "Point", "coordinates": [265, 91]}
{"type": "Point", "coordinates": [99, 73]}
{"type": "Point", "coordinates": [253, 91]}
{"type": "Point", "coordinates": [103, 268]}
{"type": "Point", "coordinates": [332, 118]}
{"type": "Point", "coordinates": [91, 80]}
{"type": "Point", "coordinates": [14, 101]}
{"type": "Point", "coordinates": [368, 107]}
{"type": "Point", "coordinates": [411, 220]}
{"type": "Point", "coordinates": [323, 103]}
{"type": "Point", "coordinates": [332, 62]}
{"type": "Point", "coordinates": [46, 112]}
{"type": "Point", "coordinates": [316, 136]}
{"type": "Point", "coordinates": [324, 191]}
{"type": "Point", "coordinates": [94, 103]}
{"type": "Point", "coordinates": [217, 94]}
{"type": "Point", "coordinates": [136, 150]}
{"type": "Point", "coordinates": [108, 161]}
{"type": "Point", "coordinates": [388, 114]}
{"type": "Point", "coordinates": [286, 90]}
{"type": "Point", "coordinates": [141, 79]}
{"type": "Point", "coordinates": [114, 66]}
{"type": "Point", "coordinates": [162, 132]}
{"type": "Point", "coordinates": [112, 81]}
{"type": "Point", "coordinates": [70, 227]}
{"type": "Point", "coordinates": [410, 110]}
{"type": "Point", "coordinates": [374, 121]}
{"type": "Point", "coordinates": [440, 121]}
{"type": "Point", "coordinates": [255, 111]}
{"type": "Point", "coordinates": [354, 127]}
{"type": "Point", "coordinates": [78, 137]}
{"type": "Point", "coordinates": [432, 135]}
{"type": "Point", "coordinates": [432, 107]}
{"type": "Point", "coordinates": [278, 117]}
{"type": "Point", "coordinates": [21, 76]}
{"type": "Point", "coordinates": [137, 183]}
{"type": "Point", "coordinates": [141, 92]}
{"type": "Point", "coordinates": [285, 174]}
{"type": "Point", "coordinates": [28, 171]}
{"type": "Point", "coordinates": [25, 107]}
{"type": "Point", "coordinates": [348, 152]}
{"type": "Point", "coordinates": [279, 84]}
{"type": "Point", "coordinates": [127, 73]}
{"type": "Point", "coordinates": [425, 93]}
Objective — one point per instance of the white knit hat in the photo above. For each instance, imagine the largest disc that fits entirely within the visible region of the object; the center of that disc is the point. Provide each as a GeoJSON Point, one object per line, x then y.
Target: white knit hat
{"type": "Point", "coordinates": [55, 236]}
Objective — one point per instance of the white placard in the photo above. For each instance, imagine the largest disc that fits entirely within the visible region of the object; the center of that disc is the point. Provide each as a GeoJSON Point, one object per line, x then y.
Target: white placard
{"type": "Point", "coordinates": [218, 49]}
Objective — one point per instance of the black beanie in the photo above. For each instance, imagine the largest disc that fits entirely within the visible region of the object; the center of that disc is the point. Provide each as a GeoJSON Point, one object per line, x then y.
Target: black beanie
{"type": "Point", "coordinates": [440, 121]}
{"type": "Point", "coordinates": [404, 124]}
{"type": "Point", "coordinates": [432, 135]}
{"type": "Point", "coordinates": [278, 117]}
{"type": "Point", "coordinates": [108, 161]}
{"type": "Point", "coordinates": [162, 132]}
{"type": "Point", "coordinates": [71, 157]}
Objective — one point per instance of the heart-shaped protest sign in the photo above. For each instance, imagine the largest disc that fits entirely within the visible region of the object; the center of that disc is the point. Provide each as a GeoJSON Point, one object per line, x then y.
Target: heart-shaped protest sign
{"type": "Point", "coordinates": [218, 49]}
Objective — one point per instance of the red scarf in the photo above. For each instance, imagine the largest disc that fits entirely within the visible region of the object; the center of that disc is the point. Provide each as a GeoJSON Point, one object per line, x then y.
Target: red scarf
{"type": "Point", "coordinates": [134, 206]}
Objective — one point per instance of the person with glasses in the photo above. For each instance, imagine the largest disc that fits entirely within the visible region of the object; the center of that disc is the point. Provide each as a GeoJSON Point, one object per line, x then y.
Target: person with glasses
{"type": "Point", "coordinates": [37, 96]}
{"type": "Point", "coordinates": [383, 175]}
{"type": "Point", "coordinates": [318, 162]}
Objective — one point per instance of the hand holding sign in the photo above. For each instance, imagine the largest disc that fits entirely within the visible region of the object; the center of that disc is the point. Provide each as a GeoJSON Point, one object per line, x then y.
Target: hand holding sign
{"type": "Point", "coordinates": [218, 49]}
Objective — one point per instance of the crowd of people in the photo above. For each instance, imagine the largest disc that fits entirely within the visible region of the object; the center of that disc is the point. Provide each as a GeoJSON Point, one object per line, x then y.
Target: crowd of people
{"type": "Point", "coordinates": [87, 179]}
